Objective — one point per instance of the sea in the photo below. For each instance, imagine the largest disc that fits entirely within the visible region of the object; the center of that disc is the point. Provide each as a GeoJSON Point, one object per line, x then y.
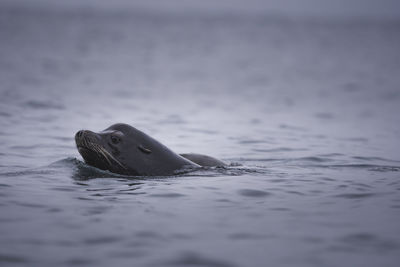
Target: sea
{"type": "Point", "coordinates": [304, 111]}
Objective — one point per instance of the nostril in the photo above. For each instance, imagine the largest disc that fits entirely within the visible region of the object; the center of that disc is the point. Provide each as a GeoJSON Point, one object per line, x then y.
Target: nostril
{"type": "Point", "coordinates": [79, 134]}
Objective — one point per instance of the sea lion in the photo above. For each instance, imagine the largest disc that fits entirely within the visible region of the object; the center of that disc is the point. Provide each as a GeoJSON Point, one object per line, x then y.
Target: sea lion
{"type": "Point", "coordinates": [125, 150]}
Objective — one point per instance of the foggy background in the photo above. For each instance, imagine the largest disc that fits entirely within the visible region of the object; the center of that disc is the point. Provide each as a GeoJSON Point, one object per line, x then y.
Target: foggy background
{"type": "Point", "coordinates": [338, 8]}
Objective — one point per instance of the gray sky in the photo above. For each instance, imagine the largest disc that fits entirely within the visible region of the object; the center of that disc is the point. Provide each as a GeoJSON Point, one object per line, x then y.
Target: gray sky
{"type": "Point", "coordinates": [347, 8]}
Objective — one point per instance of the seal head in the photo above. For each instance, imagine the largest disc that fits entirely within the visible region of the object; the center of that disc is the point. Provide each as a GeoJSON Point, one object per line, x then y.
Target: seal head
{"type": "Point", "coordinates": [124, 149]}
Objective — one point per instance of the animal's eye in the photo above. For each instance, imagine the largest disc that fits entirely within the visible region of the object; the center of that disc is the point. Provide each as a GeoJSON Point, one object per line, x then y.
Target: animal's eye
{"type": "Point", "coordinates": [114, 139]}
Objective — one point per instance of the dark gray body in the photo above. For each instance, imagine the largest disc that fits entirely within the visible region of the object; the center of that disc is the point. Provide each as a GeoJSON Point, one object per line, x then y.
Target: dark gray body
{"type": "Point", "coordinates": [203, 160]}
{"type": "Point", "coordinates": [123, 149]}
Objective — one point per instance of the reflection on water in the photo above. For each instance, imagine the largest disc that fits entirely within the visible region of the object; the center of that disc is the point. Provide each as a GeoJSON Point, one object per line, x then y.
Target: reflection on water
{"type": "Point", "coordinates": [305, 112]}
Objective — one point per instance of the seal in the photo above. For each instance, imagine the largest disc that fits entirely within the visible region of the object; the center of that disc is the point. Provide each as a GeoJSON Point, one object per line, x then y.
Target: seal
{"type": "Point", "coordinates": [123, 149]}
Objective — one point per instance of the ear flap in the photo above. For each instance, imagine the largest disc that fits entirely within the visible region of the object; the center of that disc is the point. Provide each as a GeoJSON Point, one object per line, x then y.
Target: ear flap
{"type": "Point", "coordinates": [144, 150]}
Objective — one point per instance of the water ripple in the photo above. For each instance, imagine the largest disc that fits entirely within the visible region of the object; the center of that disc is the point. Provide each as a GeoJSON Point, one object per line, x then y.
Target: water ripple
{"type": "Point", "coordinates": [195, 259]}
{"type": "Point", "coordinates": [12, 259]}
{"type": "Point", "coordinates": [167, 195]}
{"type": "Point", "coordinates": [356, 195]}
{"type": "Point", "coordinates": [366, 241]}
{"type": "Point", "coordinates": [35, 104]}
{"type": "Point", "coordinates": [253, 193]}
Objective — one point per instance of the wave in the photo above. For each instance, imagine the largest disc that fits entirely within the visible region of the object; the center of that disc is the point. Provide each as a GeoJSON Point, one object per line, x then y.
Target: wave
{"type": "Point", "coordinates": [79, 170]}
{"type": "Point", "coordinates": [369, 163]}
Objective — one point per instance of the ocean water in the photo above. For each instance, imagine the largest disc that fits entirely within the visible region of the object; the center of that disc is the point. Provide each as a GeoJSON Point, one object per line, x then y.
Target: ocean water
{"type": "Point", "coordinates": [305, 112]}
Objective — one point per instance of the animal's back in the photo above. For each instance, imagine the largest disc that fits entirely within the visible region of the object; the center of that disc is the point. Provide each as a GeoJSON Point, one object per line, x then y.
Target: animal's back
{"type": "Point", "coordinates": [203, 160]}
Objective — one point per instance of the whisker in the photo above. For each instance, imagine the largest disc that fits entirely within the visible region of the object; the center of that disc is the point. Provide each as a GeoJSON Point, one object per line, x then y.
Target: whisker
{"type": "Point", "coordinates": [100, 151]}
{"type": "Point", "coordinates": [112, 157]}
{"type": "Point", "coordinates": [105, 156]}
